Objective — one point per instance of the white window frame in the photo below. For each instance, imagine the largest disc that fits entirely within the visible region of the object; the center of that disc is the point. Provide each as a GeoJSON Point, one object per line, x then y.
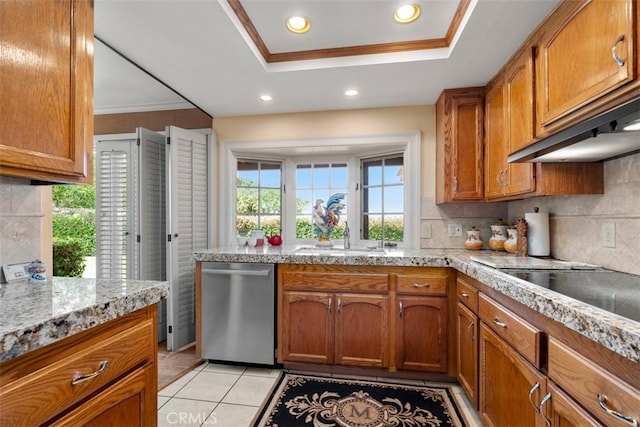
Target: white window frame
{"type": "Point", "coordinates": [360, 147]}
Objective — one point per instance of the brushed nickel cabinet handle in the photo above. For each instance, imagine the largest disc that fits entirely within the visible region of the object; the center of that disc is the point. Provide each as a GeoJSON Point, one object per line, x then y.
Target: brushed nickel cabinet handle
{"type": "Point", "coordinates": [535, 386]}
{"type": "Point", "coordinates": [543, 402]}
{"type": "Point", "coordinates": [470, 326]}
{"type": "Point", "coordinates": [82, 378]}
{"type": "Point", "coordinates": [499, 323]}
{"type": "Point", "coordinates": [603, 405]}
{"type": "Point", "coordinates": [330, 303]}
{"type": "Point", "coordinates": [464, 295]}
{"type": "Point", "coordinates": [421, 285]}
{"type": "Point", "coordinates": [339, 304]}
{"type": "Point", "coordinates": [614, 54]}
{"type": "Point", "coordinates": [401, 307]}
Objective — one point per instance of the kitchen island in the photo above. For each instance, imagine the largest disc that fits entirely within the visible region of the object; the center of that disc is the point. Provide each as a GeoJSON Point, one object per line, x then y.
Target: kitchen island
{"type": "Point", "coordinates": [618, 334]}
{"type": "Point", "coordinates": [75, 351]}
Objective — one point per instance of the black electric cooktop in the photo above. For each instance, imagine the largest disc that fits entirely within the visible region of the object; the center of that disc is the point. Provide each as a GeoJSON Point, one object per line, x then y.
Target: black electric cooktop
{"type": "Point", "coordinates": [612, 291]}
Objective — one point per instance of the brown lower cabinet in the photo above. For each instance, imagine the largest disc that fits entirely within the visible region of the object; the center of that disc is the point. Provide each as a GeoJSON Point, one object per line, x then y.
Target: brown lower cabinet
{"type": "Point", "coordinates": [608, 397]}
{"type": "Point", "coordinates": [420, 347]}
{"type": "Point", "coordinates": [510, 387]}
{"type": "Point", "coordinates": [560, 410]}
{"type": "Point", "coordinates": [364, 316]}
{"type": "Point", "coordinates": [125, 403]}
{"type": "Point", "coordinates": [467, 351]}
{"type": "Point", "coordinates": [335, 328]}
{"type": "Point", "coordinates": [106, 375]}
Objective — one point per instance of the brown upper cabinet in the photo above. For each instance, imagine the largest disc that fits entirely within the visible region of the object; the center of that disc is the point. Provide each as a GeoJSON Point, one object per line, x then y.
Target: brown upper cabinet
{"type": "Point", "coordinates": [46, 130]}
{"type": "Point", "coordinates": [587, 61]}
{"type": "Point", "coordinates": [509, 126]}
{"type": "Point", "coordinates": [584, 59]}
{"type": "Point", "coordinates": [459, 145]}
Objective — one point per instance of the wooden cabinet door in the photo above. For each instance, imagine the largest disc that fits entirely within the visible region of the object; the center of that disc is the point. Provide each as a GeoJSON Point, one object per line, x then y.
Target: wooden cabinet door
{"type": "Point", "coordinates": [560, 410]}
{"type": "Point", "coordinates": [467, 351]}
{"type": "Point", "coordinates": [495, 165]}
{"type": "Point", "coordinates": [307, 327]}
{"type": "Point", "coordinates": [361, 330]}
{"type": "Point", "coordinates": [46, 130]}
{"type": "Point", "coordinates": [576, 64]}
{"type": "Point", "coordinates": [460, 145]}
{"type": "Point", "coordinates": [132, 401]}
{"type": "Point", "coordinates": [509, 385]}
{"type": "Point", "coordinates": [519, 107]}
{"type": "Point", "coordinates": [421, 333]}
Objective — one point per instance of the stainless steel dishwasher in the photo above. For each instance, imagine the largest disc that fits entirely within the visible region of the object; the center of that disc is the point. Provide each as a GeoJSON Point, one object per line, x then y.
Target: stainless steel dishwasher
{"type": "Point", "coordinates": [238, 312]}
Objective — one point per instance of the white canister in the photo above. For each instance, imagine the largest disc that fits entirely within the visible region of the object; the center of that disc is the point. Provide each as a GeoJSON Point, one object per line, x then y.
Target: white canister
{"type": "Point", "coordinates": [258, 237]}
{"type": "Point", "coordinates": [498, 235]}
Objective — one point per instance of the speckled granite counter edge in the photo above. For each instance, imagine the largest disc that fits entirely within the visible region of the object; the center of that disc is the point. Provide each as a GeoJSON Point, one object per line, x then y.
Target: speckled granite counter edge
{"type": "Point", "coordinates": [618, 334]}
{"type": "Point", "coordinates": [24, 340]}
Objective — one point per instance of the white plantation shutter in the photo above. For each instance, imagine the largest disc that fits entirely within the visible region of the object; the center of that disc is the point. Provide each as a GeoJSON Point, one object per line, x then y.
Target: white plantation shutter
{"type": "Point", "coordinates": [187, 217]}
{"type": "Point", "coordinates": [151, 221]}
{"type": "Point", "coordinates": [115, 167]}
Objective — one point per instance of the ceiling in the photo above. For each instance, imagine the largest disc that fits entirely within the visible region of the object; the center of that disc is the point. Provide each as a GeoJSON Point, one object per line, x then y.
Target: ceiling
{"type": "Point", "coordinates": [221, 55]}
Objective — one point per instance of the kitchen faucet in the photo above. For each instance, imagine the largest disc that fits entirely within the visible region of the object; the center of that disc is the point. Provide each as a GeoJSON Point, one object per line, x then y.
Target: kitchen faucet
{"type": "Point", "coordinates": [347, 236]}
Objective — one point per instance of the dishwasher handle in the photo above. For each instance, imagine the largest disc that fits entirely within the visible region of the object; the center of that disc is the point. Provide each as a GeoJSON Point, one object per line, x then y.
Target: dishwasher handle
{"type": "Point", "coordinates": [237, 272]}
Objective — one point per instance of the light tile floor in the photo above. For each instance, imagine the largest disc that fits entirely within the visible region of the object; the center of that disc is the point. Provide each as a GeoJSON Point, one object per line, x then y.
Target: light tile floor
{"type": "Point", "coordinates": [229, 396]}
{"type": "Point", "coordinates": [212, 394]}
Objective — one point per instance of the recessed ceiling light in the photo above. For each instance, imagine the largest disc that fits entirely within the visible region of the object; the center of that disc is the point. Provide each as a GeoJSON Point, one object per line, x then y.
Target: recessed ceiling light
{"type": "Point", "coordinates": [407, 13]}
{"type": "Point", "coordinates": [266, 98]}
{"type": "Point", "coordinates": [351, 93]}
{"type": "Point", "coordinates": [298, 24]}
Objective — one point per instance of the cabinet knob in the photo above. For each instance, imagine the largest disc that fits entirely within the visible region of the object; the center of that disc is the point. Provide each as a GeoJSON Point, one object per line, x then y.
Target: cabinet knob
{"type": "Point", "coordinates": [614, 54]}
{"type": "Point", "coordinates": [616, 414]}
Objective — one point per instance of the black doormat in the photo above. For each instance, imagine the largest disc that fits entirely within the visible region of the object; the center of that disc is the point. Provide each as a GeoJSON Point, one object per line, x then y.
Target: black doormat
{"type": "Point", "coordinates": [299, 400]}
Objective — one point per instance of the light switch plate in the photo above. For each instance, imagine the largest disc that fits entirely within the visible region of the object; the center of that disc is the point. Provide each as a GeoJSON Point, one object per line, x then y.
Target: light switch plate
{"type": "Point", "coordinates": [425, 230]}
{"type": "Point", "coordinates": [455, 230]}
{"type": "Point", "coordinates": [609, 235]}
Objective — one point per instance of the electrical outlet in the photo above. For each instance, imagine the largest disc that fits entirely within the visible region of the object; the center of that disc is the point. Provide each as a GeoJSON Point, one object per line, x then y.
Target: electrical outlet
{"type": "Point", "coordinates": [455, 230]}
{"type": "Point", "coordinates": [425, 230]}
{"type": "Point", "coordinates": [609, 235]}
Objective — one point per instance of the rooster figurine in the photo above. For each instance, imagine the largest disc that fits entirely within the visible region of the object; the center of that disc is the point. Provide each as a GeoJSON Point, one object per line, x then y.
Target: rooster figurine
{"type": "Point", "coordinates": [326, 218]}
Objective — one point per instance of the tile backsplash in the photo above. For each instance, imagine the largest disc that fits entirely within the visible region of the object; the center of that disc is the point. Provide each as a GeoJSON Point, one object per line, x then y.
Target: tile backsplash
{"type": "Point", "coordinates": [576, 222]}
{"type": "Point", "coordinates": [439, 217]}
{"type": "Point", "coordinates": [21, 221]}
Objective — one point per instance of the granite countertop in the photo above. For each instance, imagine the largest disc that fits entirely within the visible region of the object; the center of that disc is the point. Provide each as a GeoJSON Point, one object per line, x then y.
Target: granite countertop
{"type": "Point", "coordinates": [33, 315]}
{"type": "Point", "coordinates": [617, 333]}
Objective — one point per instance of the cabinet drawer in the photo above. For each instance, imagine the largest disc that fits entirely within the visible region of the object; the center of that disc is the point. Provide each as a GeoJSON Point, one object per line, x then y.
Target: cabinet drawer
{"type": "Point", "coordinates": [522, 336]}
{"type": "Point", "coordinates": [585, 381]}
{"type": "Point", "coordinates": [335, 281]}
{"type": "Point", "coordinates": [34, 398]}
{"type": "Point", "coordinates": [467, 295]}
{"type": "Point", "coordinates": [422, 284]}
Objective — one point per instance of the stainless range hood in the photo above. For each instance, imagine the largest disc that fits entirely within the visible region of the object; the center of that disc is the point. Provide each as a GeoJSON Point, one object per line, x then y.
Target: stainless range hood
{"type": "Point", "coordinates": [600, 138]}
